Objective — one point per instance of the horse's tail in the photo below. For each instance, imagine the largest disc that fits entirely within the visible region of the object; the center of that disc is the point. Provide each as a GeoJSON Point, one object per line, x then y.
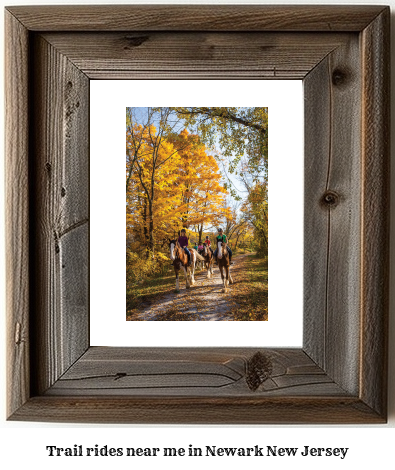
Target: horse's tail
{"type": "Point", "coordinates": [199, 257]}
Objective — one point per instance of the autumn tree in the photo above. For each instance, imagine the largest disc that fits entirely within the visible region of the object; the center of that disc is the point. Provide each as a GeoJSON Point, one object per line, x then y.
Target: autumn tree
{"type": "Point", "coordinates": [236, 224]}
{"type": "Point", "coordinates": [255, 210]}
{"type": "Point", "coordinates": [147, 150]}
{"type": "Point", "coordinates": [202, 193]}
{"type": "Point", "coordinates": [172, 185]}
{"type": "Point", "coordinates": [173, 179]}
{"type": "Point", "coordinates": [150, 182]}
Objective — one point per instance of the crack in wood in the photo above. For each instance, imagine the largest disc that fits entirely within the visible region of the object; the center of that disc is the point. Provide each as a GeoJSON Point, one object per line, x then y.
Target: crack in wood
{"type": "Point", "coordinates": [72, 227]}
{"type": "Point", "coordinates": [18, 338]}
{"type": "Point", "coordinates": [122, 375]}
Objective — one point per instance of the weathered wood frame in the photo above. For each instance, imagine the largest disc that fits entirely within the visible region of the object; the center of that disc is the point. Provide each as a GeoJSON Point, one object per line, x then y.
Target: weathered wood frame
{"type": "Point", "coordinates": [340, 374]}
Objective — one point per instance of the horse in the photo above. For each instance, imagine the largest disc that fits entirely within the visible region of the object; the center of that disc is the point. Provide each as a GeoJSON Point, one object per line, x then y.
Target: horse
{"type": "Point", "coordinates": [180, 261]}
{"type": "Point", "coordinates": [224, 263]}
{"type": "Point", "coordinates": [208, 260]}
{"type": "Point", "coordinates": [200, 262]}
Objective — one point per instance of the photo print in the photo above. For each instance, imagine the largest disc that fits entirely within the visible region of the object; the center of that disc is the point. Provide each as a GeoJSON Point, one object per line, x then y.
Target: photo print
{"type": "Point", "coordinates": [197, 214]}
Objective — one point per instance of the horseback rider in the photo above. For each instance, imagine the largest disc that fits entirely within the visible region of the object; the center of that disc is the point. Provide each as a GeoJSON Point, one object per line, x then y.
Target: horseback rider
{"type": "Point", "coordinates": [208, 243]}
{"type": "Point", "coordinates": [221, 237]}
{"type": "Point", "coordinates": [183, 241]}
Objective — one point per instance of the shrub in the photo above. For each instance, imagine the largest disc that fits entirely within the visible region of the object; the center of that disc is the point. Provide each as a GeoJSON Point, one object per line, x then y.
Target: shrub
{"type": "Point", "coordinates": [139, 268]}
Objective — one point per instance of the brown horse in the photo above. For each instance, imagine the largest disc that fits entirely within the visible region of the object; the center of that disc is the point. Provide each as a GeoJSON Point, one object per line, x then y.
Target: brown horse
{"type": "Point", "coordinates": [180, 261]}
{"type": "Point", "coordinates": [224, 264]}
{"type": "Point", "coordinates": [208, 260]}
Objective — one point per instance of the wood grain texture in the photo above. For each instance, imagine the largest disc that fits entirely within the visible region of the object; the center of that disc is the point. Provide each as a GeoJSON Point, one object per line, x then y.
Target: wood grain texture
{"type": "Point", "coordinates": [60, 185]}
{"type": "Point", "coordinates": [17, 212]}
{"type": "Point", "coordinates": [317, 151]}
{"type": "Point", "coordinates": [339, 376]}
{"type": "Point", "coordinates": [192, 372]}
{"type": "Point", "coordinates": [203, 410]}
{"type": "Point", "coordinates": [375, 211]}
{"type": "Point", "coordinates": [195, 55]}
{"type": "Point", "coordinates": [196, 17]}
{"type": "Point", "coordinates": [332, 214]}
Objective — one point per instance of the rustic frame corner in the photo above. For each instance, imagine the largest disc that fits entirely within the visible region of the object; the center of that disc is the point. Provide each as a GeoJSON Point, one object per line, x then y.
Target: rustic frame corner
{"type": "Point", "coordinates": [340, 374]}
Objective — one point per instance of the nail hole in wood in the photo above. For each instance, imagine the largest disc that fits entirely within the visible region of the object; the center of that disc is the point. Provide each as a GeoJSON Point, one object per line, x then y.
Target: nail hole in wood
{"type": "Point", "coordinates": [63, 192]}
{"type": "Point", "coordinates": [119, 375]}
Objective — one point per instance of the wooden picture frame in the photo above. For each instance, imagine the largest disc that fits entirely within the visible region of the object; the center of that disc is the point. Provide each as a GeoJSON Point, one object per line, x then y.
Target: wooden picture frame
{"type": "Point", "coordinates": [340, 373]}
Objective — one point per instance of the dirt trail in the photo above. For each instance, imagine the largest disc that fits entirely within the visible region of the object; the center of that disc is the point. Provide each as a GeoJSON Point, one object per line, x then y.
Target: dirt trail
{"type": "Point", "coordinates": [204, 301]}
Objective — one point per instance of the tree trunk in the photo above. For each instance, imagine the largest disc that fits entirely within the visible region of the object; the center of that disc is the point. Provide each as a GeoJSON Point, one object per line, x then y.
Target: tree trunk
{"type": "Point", "coordinates": [200, 234]}
{"type": "Point", "coordinates": [151, 229]}
{"type": "Point", "coordinates": [237, 239]}
{"type": "Point", "coordinates": [146, 235]}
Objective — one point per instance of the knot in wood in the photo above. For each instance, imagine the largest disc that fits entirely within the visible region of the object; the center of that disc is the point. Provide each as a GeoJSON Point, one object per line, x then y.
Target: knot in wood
{"type": "Point", "coordinates": [135, 41]}
{"type": "Point", "coordinates": [330, 198]}
{"type": "Point", "coordinates": [18, 336]}
{"type": "Point", "coordinates": [259, 369]}
{"type": "Point", "coordinates": [339, 77]}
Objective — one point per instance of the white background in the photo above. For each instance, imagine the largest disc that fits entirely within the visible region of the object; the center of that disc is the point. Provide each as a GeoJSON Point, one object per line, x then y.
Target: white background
{"type": "Point", "coordinates": [107, 227]}
{"type": "Point", "coordinates": [22, 445]}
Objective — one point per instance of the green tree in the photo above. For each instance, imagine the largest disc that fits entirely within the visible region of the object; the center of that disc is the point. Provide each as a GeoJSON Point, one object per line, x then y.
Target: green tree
{"type": "Point", "coordinates": [238, 131]}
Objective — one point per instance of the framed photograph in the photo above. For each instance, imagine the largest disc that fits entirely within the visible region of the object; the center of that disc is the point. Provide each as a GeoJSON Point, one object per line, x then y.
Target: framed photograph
{"type": "Point", "coordinates": [196, 206]}
{"type": "Point", "coordinates": [150, 280]}
{"type": "Point", "coordinates": [339, 375]}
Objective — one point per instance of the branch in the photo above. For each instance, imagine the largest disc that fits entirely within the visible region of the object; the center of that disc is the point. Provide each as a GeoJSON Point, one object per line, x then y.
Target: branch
{"type": "Point", "coordinates": [222, 113]}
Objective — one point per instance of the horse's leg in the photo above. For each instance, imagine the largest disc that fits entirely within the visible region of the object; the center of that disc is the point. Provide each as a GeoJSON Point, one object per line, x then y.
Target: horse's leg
{"type": "Point", "coordinates": [230, 277]}
{"type": "Point", "coordinates": [225, 281]}
{"type": "Point", "coordinates": [177, 281]}
{"type": "Point", "coordinates": [221, 268]}
{"type": "Point", "coordinates": [207, 264]}
{"type": "Point", "coordinates": [227, 277]}
{"type": "Point", "coordinates": [186, 276]}
{"type": "Point", "coordinates": [193, 268]}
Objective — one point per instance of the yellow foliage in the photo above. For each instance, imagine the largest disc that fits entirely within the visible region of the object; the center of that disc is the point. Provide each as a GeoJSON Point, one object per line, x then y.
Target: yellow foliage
{"type": "Point", "coordinates": [171, 184]}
